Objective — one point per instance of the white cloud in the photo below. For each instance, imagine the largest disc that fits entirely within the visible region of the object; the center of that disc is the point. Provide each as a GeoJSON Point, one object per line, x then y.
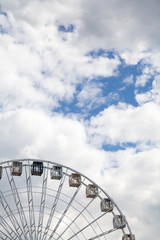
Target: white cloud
{"type": "Point", "coordinates": [152, 95]}
{"type": "Point", "coordinates": [129, 80]}
{"type": "Point", "coordinates": [112, 24]}
{"type": "Point", "coordinates": [137, 181]}
{"type": "Point", "coordinates": [146, 75]}
{"type": "Point", "coordinates": [142, 80]}
{"type": "Point", "coordinates": [133, 56]}
{"type": "Point", "coordinates": [90, 96]}
{"type": "Point", "coordinates": [36, 47]}
{"type": "Point", "coordinates": [124, 123]}
{"type": "Point", "coordinates": [35, 134]}
{"type": "Point", "coordinates": [112, 97]}
{"type": "Point", "coordinates": [120, 24]}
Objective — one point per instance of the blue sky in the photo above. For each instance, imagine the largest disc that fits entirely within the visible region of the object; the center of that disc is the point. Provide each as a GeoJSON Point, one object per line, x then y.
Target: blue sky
{"type": "Point", "coordinates": [120, 87]}
{"type": "Point", "coordinates": [80, 83]}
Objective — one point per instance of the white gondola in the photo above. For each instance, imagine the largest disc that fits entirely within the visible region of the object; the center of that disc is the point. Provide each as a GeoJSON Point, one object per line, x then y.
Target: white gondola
{"type": "Point", "coordinates": [106, 205]}
{"type": "Point", "coordinates": [119, 222]}
{"type": "Point", "coordinates": [91, 191]}
{"type": "Point", "coordinates": [56, 172]}
{"type": "Point", "coordinates": [37, 168]}
{"type": "Point", "coordinates": [1, 172]}
{"type": "Point", "coordinates": [74, 180]}
{"type": "Point", "coordinates": [129, 237]}
{"type": "Point", "coordinates": [16, 168]}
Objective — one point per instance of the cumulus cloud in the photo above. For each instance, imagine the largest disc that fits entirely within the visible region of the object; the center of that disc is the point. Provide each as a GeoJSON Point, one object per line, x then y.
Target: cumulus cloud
{"type": "Point", "coordinates": [116, 22]}
{"type": "Point", "coordinates": [134, 185]}
{"type": "Point", "coordinates": [43, 64]}
{"type": "Point", "coordinates": [35, 134]}
{"type": "Point", "coordinates": [125, 123]}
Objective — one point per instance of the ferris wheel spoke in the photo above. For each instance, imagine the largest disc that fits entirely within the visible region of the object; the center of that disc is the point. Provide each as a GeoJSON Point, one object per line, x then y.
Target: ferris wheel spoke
{"type": "Point", "coordinates": [11, 216]}
{"type": "Point", "coordinates": [86, 208]}
{"type": "Point", "coordinates": [80, 214]}
{"type": "Point", "coordinates": [11, 233]}
{"type": "Point", "coordinates": [68, 218]}
{"type": "Point", "coordinates": [103, 234]}
{"type": "Point", "coordinates": [65, 211]}
{"type": "Point", "coordinates": [53, 207]}
{"type": "Point", "coordinates": [30, 202]}
{"type": "Point", "coordinates": [4, 236]}
{"type": "Point", "coordinates": [19, 206]}
{"type": "Point", "coordinates": [42, 203]}
{"type": "Point", "coordinates": [88, 225]}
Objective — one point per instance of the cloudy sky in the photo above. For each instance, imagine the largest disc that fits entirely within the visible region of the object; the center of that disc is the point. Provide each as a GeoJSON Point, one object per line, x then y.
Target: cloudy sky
{"type": "Point", "coordinates": [80, 85]}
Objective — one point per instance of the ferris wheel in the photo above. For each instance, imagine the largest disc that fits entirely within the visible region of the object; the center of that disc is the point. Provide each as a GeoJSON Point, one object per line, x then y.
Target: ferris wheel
{"type": "Point", "coordinates": [44, 200]}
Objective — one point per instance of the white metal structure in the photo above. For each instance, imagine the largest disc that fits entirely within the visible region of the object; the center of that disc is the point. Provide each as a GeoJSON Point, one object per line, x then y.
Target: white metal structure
{"type": "Point", "coordinates": [44, 200]}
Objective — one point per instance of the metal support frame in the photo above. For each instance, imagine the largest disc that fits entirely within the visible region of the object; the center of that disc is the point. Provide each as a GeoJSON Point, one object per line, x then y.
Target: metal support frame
{"type": "Point", "coordinates": [63, 214]}
{"type": "Point", "coordinates": [4, 236]}
{"type": "Point", "coordinates": [103, 234]}
{"type": "Point", "coordinates": [30, 202]}
{"type": "Point", "coordinates": [19, 206]}
{"type": "Point", "coordinates": [11, 216]}
{"type": "Point", "coordinates": [10, 232]}
{"type": "Point", "coordinates": [42, 203]}
{"type": "Point", "coordinates": [81, 214]}
{"type": "Point", "coordinates": [88, 225]}
{"type": "Point", "coordinates": [54, 207]}
{"type": "Point", "coordinates": [15, 225]}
